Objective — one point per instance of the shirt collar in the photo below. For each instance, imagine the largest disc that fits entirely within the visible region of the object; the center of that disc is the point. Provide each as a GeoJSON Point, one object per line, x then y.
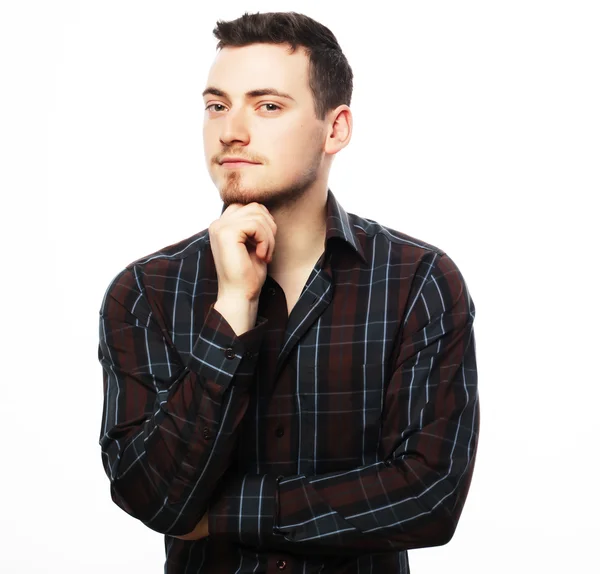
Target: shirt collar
{"type": "Point", "coordinates": [338, 224]}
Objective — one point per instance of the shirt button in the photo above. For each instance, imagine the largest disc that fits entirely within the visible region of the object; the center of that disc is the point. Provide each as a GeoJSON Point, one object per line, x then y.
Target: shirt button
{"type": "Point", "coordinates": [272, 291]}
{"type": "Point", "coordinates": [279, 431]}
{"type": "Point", "coordinates": [206, 433]}
{"type": "Point", "coordinates": [281, 564]}
{"type": "Point", "coordinates": [388, 463]}
{"type": "Point", "coordinates": [229, 353]}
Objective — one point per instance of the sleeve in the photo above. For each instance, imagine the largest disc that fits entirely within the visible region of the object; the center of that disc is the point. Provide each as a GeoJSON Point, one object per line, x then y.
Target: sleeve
{"type": "Point", "coordinates": [169, 427]}
{"type": "Point", "coordinates": [414, 496]}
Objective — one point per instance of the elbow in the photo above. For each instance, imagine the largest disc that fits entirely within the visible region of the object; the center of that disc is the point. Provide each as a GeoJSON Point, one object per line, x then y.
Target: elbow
{"type": "Point", "coordinates": [434, 528]}
{"type": "Point", "coordinates": [437, 531]}
{"type": "Point", "coordinates": [145, 492]}
{"type": "Point", "coordinates": [155, 510]}
{"type": "Point", "coordinates": [444, 518]}
{"type": "Point", "coordinates": [443, 531]}
{"type": "Point", "coordinates": [122, 502]}
{"type": "Point", "coordinates": [134, 501]}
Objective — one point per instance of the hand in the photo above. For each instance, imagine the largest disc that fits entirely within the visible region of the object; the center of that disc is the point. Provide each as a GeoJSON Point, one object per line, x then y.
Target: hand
{"type": "Point", "coordinates": [242, 241]}
{"type": "Point", "coordinates": [201, 530]}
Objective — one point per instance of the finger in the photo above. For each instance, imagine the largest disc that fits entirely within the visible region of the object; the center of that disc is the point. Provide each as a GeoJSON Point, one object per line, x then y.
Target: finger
{"type": "Point", "coordinates": [264, 209]}
{"type": "Point", "coordinates": [268, 246]}
{"type": "Point", "coordinates": [259, 211]}
{"type": "Point", "coordinates": [269, 218]}
{"type": "Point", "coordinates": [232, 208]}
{"type": "Point", "coordinates": [269, 243]}
{"type": "Point", "coordinates": [269, 214]}
{"type": "Point", "coordinates": [260, 234]}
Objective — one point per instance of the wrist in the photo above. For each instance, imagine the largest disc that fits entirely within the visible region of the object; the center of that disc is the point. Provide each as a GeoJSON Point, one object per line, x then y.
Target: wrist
{"type": "Point", "coordinates": [240, 313]}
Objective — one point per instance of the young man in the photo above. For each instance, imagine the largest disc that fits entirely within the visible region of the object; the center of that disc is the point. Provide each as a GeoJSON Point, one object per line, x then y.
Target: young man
{"type": "Point", "coordinates": [294, 388]}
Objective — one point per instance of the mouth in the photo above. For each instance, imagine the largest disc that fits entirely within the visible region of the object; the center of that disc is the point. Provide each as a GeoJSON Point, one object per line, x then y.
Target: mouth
{"type": "Point", "coordinates": [236, 164]}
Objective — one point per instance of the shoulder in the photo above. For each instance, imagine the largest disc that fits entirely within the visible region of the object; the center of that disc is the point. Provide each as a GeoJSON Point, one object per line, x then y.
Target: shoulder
{"type": "Point", "coordinates": [190, 246]}
{"type": "Point", "coordinates": [158, 268]}
{"type": "Point", "coordinates": [373, 235]}
{"type": "Point", "coordinates": [423, 262]}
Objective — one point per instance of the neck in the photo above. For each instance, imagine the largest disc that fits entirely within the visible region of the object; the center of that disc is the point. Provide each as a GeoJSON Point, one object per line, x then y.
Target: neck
{"type": "Point", "coordinates": [300, 238]}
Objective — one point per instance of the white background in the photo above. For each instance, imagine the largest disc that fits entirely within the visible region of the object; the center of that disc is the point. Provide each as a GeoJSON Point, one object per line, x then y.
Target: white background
{"type": "Point", "coordinates": [477, 129]}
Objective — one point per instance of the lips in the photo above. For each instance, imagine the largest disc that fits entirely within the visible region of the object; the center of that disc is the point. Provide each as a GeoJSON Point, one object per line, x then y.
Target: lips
{"type": "Point", "coordinates": [236, 160]}
{"type": "Point", "coordinates": [237, 164]}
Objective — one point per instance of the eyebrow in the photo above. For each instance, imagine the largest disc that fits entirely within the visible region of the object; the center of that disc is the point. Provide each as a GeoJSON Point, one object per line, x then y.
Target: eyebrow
{"type": "Point", "coordinates": [251, 94]}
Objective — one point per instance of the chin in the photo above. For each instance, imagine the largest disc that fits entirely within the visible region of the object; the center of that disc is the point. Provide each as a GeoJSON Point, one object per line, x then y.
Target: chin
{"type": "Point", "coordinates": [274, 198]}
{"type": "Point", "coordinates": [244, 195]}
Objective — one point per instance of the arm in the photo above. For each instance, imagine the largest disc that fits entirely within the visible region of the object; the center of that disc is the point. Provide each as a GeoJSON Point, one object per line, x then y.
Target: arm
{"type": "Point", "coordinates": [168, 427]}
{"type": "Point", "coordinates": [412, 498]}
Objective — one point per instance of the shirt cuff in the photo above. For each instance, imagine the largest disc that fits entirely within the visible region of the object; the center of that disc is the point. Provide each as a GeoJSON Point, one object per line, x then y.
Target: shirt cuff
{"type": "Point", "coordinates": [219, 353]}
{"type": "Point", "coordinates": [245, 510]}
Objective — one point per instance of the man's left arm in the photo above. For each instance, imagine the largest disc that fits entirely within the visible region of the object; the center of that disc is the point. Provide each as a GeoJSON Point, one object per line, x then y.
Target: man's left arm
{"type": "Point", "coordinates": [414, 496]}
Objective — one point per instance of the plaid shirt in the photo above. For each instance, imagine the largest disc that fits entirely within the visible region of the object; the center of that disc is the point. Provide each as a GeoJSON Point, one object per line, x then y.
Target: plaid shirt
{"type": "Point", "coordinates": [330, 441]}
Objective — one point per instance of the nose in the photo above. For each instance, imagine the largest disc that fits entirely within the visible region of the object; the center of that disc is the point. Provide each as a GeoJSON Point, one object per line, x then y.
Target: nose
{"type": "Point", "coordinates": [234, 128]}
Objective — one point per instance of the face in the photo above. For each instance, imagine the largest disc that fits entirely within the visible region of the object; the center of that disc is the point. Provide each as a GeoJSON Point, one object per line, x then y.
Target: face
{"type": "Point", "coordinates": [278, 132]}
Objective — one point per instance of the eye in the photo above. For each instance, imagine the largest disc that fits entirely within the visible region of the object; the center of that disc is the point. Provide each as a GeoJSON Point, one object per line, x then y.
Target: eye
{"type": "Point", "coordinates": [212, 105]}
{"type": "Point", "coordinates": [274, 105]}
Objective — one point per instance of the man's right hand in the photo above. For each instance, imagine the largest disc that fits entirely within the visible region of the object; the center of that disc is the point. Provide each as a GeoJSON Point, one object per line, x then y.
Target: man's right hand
{"type": "Point", "coordinates": [242, 241]}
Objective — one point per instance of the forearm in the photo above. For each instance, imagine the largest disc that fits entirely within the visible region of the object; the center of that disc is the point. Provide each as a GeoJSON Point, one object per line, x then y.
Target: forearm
{"type": "Point", "coordinates": [168, 467]}
{"type": "Point", "coordinates": [378, 508]}
{"type": "Point", "coordinates": [372, 509]}
{"type": "Point", "coordinates": [164, 457]}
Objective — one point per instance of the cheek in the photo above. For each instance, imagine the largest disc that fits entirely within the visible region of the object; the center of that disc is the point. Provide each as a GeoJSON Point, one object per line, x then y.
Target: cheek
{"type": "Point", "coordinates": [211, 145]}
{"type": "Point", "coordinates": [207, 135]}
{"type": "Point", "coordinates": [292, 144]}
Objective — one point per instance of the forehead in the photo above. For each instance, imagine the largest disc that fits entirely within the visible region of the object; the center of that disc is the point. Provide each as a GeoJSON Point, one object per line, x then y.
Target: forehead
{"type": "Point", "coordinates": [237, 70]}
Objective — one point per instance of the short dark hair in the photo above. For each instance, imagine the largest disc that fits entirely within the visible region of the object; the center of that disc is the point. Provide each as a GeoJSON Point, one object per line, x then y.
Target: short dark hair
{"type": "Point", "coordinates": [329, 74]}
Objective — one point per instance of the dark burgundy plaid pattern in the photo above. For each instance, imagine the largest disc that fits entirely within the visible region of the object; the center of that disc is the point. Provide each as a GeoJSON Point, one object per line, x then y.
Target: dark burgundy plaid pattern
{"type": "Point", "coordinates": [332, 440]}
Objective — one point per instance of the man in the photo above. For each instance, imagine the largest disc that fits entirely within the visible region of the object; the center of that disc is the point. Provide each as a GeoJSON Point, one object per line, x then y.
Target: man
{"type": "Point", "coordinates": [294, 388]}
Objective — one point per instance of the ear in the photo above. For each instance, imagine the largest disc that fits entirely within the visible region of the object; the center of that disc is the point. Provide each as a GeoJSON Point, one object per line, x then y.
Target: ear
{"type": "Point", "coordinates": [340, 129]}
